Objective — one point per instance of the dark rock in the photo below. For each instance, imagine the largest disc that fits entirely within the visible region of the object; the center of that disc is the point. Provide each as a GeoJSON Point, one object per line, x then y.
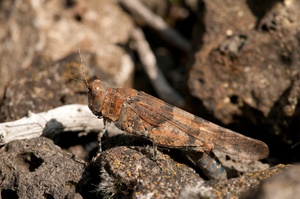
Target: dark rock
{"type": "Point", "coordinates": [42, 87]}
{"type": "Point", "coordinates": [46, 85]}
{"type": "Point", "coordinates": [132, 173]}
{"type": "Point", "coordinates": [283, 185]}
{"type": "Point", "coordinates": [242, 66]}
{"type": "Point", "coordinates": [246, 72]}
{"type": "Point", "coordinates": [54, 28]}
{"type": "Point", "coordinates": [241, 187]}
{"type": "Point", "coordinates": [37, 168]}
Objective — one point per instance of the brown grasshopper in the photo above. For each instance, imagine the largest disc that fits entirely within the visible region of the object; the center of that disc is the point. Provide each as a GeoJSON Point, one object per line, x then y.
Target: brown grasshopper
{"type": "Point", "coordinates": [167, 126]}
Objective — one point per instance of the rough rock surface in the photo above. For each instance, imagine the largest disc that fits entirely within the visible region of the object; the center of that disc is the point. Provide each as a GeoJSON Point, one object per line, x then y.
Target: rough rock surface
{"type": "Point", "coordinates": [45, 85]}
{"type": "Point", "coordinates": [243, 187]}
{"type": "Point", "coordinates": [246, 72]}
{"type": "Point", "coordinates": [240, 64]}
{"type": "Point", "coordinates": [37, 168]}
{"type": "Point", "coordinates": [131, 172]}
{"type": "Point", "coordinates": [284, 185]}
{"type": "Point", "coordinates": [54, 28]}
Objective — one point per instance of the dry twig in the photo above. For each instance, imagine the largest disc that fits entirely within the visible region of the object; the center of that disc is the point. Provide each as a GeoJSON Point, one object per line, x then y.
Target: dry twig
{"type": "Point", "coordinates": [160, 84]}
{"type": "Point", "coordinates": [141, 12]}
{"type": "Point", "coordinates": [65, 118]}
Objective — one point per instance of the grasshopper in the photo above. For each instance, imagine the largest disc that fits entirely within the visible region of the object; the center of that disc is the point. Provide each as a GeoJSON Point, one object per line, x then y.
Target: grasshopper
{"type": "Point", "coordinates": [167, 126]}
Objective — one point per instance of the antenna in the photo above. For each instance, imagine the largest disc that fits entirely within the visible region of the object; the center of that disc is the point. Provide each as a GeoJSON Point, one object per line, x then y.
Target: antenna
{"type": "Point", "coordinates": [82, 69]}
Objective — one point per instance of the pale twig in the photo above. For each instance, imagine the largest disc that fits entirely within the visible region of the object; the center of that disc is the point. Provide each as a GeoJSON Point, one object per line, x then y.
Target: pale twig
{"type": "Point", "coordinates": [142, 13]}
{"type": "Point", "coordinates": [160, 84]}
{"type": "Point", "coordinates": [65, 118]}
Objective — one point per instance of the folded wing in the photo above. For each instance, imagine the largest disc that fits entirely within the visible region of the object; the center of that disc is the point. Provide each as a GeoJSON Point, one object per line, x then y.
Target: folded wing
{"type": "Point", "coordinates": [223, 139]}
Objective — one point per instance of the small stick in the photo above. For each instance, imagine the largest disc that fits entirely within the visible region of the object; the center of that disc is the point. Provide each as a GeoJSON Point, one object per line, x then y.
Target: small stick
{"type": "Point", "coordinates": [141, 12]}
{"type": "Point", "coordinates": [159, 82]}
{"type": "Point", "coordinates": [74, 117]}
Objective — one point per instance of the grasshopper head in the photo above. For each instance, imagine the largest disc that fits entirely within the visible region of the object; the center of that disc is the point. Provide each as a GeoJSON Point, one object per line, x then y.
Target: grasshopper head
{"type": "Point", "coordinates": [96, 94]}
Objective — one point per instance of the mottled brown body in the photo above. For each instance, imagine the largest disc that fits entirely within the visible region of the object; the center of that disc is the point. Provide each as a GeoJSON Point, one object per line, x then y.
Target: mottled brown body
{"type": "Point", "coordinates": [168, 126]}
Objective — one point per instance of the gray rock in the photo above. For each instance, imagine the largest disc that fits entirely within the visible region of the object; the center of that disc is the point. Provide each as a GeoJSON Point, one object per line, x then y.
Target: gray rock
{"type": "Point", "coordinates": [54, 28]}
{"type": "Point", "coordinates": [248, 75]}
{"type": "Point", "coordinates": [284, 185]}
{"type": "Point", "coordinates": [36, 168]}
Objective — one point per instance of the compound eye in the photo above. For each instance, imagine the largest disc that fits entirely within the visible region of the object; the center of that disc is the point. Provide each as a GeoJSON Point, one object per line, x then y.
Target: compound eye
{"type": "Point", "coordinates": [96, 90]}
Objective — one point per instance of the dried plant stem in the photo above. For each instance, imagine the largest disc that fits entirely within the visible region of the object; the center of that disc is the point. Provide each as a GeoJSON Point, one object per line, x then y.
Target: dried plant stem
{"type": "Point", "coordinates": [142, 13]}
{"type": "Point", "coordinates": [65, 118]}
{"type": "Point", "coordinates": [159, 82]}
